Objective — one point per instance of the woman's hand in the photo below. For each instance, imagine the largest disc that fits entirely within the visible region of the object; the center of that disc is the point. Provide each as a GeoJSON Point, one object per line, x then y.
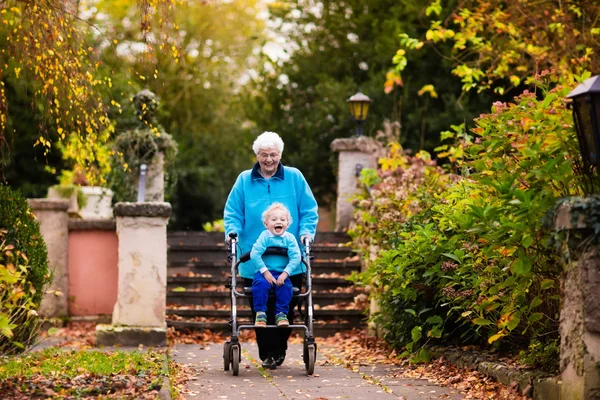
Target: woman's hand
{"type": "Point", "coordinates": [281, 280]}
{"type": "Point", "coordinates": [270, 278]}
{"type": "Point", "coordinates": [303, 238]}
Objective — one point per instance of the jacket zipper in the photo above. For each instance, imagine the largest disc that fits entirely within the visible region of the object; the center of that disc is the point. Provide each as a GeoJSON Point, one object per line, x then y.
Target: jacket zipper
{"type": "Point", "coordinates": [269, 188]}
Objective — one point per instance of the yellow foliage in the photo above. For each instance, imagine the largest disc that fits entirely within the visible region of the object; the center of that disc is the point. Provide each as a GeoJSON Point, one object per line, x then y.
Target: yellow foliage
{"type": "Point", "coordinates": [48, 41]}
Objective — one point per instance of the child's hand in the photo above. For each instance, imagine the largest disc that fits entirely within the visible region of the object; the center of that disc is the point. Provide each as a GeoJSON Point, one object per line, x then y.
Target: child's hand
{"type": "Point", "coordinates": [270, 278]}
{"type": "Point", "coordinates": [282, 278]}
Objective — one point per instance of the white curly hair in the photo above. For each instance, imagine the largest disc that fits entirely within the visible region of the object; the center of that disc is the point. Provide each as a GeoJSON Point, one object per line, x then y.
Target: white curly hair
{"type": "Point", "coordinates": [266, 140]}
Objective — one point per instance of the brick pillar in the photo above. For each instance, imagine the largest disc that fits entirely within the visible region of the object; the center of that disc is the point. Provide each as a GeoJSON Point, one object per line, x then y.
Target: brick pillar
{"type": "Point", "coordinates": [580, 312]}
{"type": "Point", "coordinates": [354, 154]}
{"type": "Point", "coordinates": [54, 227]}
{"type": "Point", "coordinates": [139, 314]}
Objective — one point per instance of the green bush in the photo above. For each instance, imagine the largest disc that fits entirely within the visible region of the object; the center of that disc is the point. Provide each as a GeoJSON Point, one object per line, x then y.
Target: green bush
{"type": "Point", "coordinates": [23, 271]}
{"type": "Point", "coordinates": [468, 258]}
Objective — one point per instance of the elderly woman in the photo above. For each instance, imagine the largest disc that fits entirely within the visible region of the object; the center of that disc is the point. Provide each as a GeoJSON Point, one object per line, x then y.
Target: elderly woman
{"type": "Point", "coordinates": [254, 191]}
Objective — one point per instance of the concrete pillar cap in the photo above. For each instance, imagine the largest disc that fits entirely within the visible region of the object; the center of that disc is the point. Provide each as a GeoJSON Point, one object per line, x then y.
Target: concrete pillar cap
{"type": "Point", "coordinates": [49, 204]}
{"type": "Point", "coordinates": [363, 144]}
{"type": "Point", "coordinates": [161, 210]}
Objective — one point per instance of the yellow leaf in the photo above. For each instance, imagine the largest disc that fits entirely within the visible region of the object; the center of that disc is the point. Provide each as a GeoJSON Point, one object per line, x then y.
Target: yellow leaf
{"type": "Point", "coordinates": [495, 337]}
{"type": "Point", "coordinates": [428, 89]}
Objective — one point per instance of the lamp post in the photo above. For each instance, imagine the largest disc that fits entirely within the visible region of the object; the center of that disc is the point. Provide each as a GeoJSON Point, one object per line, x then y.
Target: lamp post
{"type": "Point", "coordinates": [359, 108]}
{"type": "Point", "coordinates": [586, 115]}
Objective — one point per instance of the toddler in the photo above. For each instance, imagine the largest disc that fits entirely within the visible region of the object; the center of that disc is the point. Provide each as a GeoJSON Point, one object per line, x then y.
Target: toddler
{"type": "Point", "coordinates": [276, 219]}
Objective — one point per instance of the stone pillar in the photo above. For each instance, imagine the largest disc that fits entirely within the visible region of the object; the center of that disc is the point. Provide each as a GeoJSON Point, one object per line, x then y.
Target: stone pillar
{"type": "Point", "coordinates": [354, 154]}
{"type": "Point", "coordinates": [139, 314]}
{"type": "Point", "coordinates": [54, 227]}
{"type": "Point", "coordinates": [580, 312]}
{"type": "Point", "coordinates": [155, 179]}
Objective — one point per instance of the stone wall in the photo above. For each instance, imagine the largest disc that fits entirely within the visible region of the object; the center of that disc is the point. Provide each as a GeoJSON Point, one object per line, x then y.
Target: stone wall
{"type": "Point", "coordinates": [578, 218]}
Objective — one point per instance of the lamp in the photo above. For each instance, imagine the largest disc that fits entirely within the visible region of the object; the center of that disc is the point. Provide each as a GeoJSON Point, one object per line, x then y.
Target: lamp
{"type": "Point", "coordinates": [359, 108]}
{"type": "Point", "coordinates": [586, 115]}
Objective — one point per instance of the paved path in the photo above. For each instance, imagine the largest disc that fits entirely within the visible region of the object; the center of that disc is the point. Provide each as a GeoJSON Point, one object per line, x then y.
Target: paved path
{"type": "Point", "coordinates": [290, 381]}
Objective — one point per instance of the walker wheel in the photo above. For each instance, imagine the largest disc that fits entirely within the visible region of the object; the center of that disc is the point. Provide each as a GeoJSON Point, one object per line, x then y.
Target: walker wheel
{"type": "Point", "coordinates": [235, 359]}
{"type": "Point", "coordinates": [310, 354]}
{"type": "Point", "coordinates": [226, 355]}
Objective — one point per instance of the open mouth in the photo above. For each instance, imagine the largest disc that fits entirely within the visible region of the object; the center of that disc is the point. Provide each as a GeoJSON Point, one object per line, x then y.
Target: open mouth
{"type": "Point", "coordinates": [278, 228]}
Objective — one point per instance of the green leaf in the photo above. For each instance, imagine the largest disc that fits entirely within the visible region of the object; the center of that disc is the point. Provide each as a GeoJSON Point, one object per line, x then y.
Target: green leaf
{"type": "Point", "coordinates": [481, 321]}
{"type": "Point", "coordinates": [52, 331]}
{"type": "Point", "coordinates": [452, 256]}
{"type": "Point", "coordinates": [547, 284]}
{"type": "Point", "coordinates": [7, 332]}
{"type": "Point", "coordinates": [421, 357]}
{"type": "Point", "coordinates": [416, 333]}
{"type": "Point", "coordinates": [527, 241]}
{"type": "Point", "coordinates": [423, 311]}
{"type": "Point", "coordinates": [435, 332]}
{"type": "Point", "coordinates": [548, 100]}
{"type": "Point", "coordinates": [522, 265]}
{"type": "Point", "coordinates": [434, 320]}
{"type": "Point", "coordinates": [535, 302]}
{"type": "Point", "coordinates": [535, 317]}
{"type": "Point", "coordinates": [411, 311]}
{"type": "Point", "coordinates": [429, 272]}
{"type": "Point", "coordinates": [404, 354]}
{"type": "Point", "coordinates": [513, 322]}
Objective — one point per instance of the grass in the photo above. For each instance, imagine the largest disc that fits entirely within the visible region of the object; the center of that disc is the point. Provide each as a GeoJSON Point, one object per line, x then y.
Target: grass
{"type": "Point", "coordinates": [73, 363]}
{"type": "Point", "coordinates": [78, 373]}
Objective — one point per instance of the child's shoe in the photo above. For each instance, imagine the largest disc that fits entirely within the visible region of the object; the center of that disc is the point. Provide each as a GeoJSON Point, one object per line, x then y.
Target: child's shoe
{"type": "Point", "coordinates": [281, 320]}
{"type": "Point", "coordinates": [261, 320]}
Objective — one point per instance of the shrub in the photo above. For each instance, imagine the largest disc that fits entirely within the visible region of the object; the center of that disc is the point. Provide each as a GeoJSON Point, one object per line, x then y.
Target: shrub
{"type": "Point", "coordinates": [474, 263]}
{"type": "Point", "coordinates": [23, 271]}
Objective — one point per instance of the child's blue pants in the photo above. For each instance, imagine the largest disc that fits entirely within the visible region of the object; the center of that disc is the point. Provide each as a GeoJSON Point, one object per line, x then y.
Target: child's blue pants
{"type": "Point", "coordinates": [260, 293]}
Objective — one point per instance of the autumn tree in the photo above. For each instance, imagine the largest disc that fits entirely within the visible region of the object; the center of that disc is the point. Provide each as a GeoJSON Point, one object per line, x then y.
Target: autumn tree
{"type": "Point", "coordinates": [201, 94]}
{"type": "Point", "coordinates": [43, 50]}
{"type": "Point", "coordinates": [500, 44]}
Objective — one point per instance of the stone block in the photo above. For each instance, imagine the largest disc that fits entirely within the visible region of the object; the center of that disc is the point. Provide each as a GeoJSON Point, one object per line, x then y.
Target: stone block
{"type": "Point", "coordinates": [109, 335]}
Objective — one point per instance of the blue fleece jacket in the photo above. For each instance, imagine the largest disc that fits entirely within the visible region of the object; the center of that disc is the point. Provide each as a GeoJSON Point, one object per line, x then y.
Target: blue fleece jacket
{"type": "Point", "coordinates": [252, 194]}
{"type": "Point", "coordinates": [267, 239]}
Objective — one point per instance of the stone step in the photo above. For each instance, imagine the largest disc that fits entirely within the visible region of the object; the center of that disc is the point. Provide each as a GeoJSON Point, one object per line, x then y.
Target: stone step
{"type": "Point", "coordinates": [319, 315]}
{"type": "Point", "coordinates": [195, 238]}
{"type": "Point", "coordinates": [343, 267]}
{"type": "Point", "coordinates": [214, 253]}
{"type": "Point", "coordinates": [319, 329]}
{"type": "Point", "coordinates": [210, 298]}
{"type": "Point", "coordinates": [196, 282]}
{"type": "Point", "coordinates": [204, 254]}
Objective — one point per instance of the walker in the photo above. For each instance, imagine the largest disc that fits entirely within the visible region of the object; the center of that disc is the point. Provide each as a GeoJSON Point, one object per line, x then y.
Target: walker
{"type": "Point", "coordinates": [232, 349]}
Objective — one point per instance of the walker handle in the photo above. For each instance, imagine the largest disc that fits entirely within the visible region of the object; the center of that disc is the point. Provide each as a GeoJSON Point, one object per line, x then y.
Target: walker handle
{"type": "Point", "coordinates": [306, 241]}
